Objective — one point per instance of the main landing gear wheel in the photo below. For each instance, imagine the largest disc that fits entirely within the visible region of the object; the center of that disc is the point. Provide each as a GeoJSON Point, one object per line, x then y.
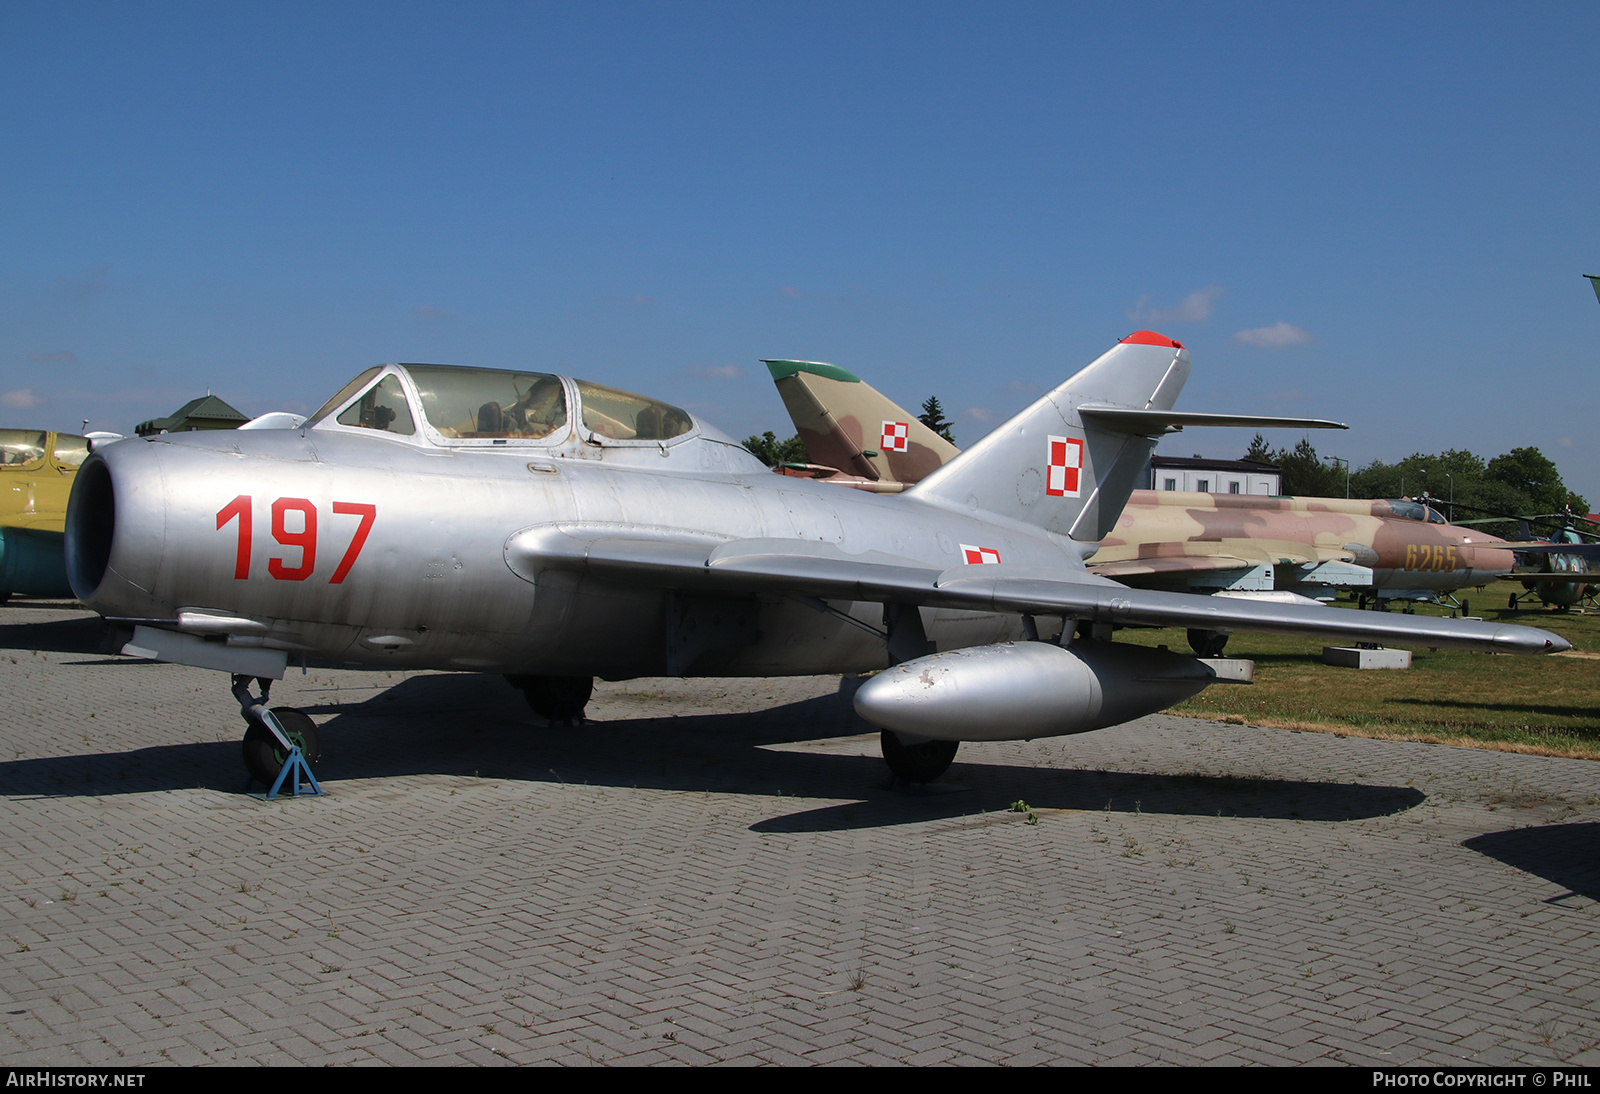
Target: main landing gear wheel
{"type": "Point", "coordinates": [1207, 643]}
{"type": "Point", "coordinates": [555, 698]}
{"type": "Point", "coordinates": [919, 763]}
{"type": "Point", "coordinates": [264, 756]}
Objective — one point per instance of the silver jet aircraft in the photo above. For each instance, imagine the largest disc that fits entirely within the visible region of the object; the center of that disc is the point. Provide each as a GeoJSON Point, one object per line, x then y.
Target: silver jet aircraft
{"type": "Point", "coordinates": [554, 530]}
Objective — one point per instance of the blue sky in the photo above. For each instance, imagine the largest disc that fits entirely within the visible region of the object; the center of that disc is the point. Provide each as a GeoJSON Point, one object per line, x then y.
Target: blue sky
{"type": "Point", "coordinates": [1376, 213]}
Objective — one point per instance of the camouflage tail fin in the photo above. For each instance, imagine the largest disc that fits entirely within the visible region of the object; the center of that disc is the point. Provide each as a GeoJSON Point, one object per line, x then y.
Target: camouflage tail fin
{"type": "Point", "coordinates": [847, 424]}
{"type": "Point", "coordinates": [1069, 461]}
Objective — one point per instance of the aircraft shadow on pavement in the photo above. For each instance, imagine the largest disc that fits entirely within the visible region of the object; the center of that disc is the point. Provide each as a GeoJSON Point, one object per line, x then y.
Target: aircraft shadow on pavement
{"type": "Point", "coordinates": [1566, 854]}
{"type": "Point", "coordinates": [1098, 791]}
{"type": "Point", "coordinates": [463, 724]}
{"type": "Point", "coordinates": [83, 635]}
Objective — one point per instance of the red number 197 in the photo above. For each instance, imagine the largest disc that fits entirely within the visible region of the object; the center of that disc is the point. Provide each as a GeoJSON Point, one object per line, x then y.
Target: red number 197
{"type": "Point", "coordinates": [305, 539]}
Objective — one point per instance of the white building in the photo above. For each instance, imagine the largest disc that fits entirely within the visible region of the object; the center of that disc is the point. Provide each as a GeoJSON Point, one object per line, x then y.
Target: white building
{"type": "Point", "coordinates": [1214, 476]}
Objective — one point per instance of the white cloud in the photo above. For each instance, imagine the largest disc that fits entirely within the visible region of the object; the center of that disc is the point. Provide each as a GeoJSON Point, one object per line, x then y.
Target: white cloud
{"type": "Point", "coordinates": [1278, 336]}
{"type": "Point", "coordinates": [982, 414]}
{"type": "Point", "coordinates": [715, 372]}
{"type": "Point", "coordinates": [1196, 308]}
{"type": "Point", "coordinates": [21, 399]}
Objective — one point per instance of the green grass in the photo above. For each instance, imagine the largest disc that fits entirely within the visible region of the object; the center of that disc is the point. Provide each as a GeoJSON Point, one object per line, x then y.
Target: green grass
{"type": "Point", "coordinates": [1547, 705]}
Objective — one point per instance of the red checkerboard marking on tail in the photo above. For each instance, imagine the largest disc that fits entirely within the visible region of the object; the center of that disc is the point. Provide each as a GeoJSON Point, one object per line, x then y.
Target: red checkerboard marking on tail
{"type": "Point", "coordinates": [1066, 460]}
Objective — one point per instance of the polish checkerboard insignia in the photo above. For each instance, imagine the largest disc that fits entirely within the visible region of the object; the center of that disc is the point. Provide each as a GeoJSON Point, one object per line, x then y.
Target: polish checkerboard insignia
{"type": "Point", "coordinates": [1066, 460]}
{"type": "Point", "coordinates": [896, 436]}
{"type": "Point", "coordinates": [980, 556]}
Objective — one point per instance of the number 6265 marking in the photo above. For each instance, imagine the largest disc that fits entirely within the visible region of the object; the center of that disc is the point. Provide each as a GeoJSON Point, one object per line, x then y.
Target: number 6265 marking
{"type": "Point", "coordinates": [241, 508]}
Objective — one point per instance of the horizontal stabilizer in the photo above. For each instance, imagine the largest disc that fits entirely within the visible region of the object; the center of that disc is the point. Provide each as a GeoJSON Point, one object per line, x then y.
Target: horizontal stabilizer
{"type": "Point", "coordinates": [1145, 423]}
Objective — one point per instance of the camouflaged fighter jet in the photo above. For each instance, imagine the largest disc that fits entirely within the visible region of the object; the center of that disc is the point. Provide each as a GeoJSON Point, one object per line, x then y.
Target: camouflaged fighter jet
{"type": "Point", "coordinates": [554, 530]}
{"type": "Point", "coordinates": [36, 472]}
{"type": "Point", "coordinates": [1278, 548]}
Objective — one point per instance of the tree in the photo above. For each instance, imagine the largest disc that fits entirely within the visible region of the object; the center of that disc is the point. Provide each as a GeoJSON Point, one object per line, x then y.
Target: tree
{"type": "Point", "coordinates": [771, 451]}
{"type": "Point", "coordinates": [1305, 474]}
{"type": "Point", "coordinates": [1522, 482]}
{"type": "Point", "coordinates": [932, 416]}
{"type": "Point", "coordinates": [1533, 473]}
{"type": "Point", "coordinates": [1259, 451]}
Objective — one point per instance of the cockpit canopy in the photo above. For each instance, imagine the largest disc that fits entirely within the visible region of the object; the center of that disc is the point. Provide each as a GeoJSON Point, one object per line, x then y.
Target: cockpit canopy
{"type": "Point", "coordinates": [1414, 510]}
{"type": "Point", "coordinates": [470, 406]}
{"type": "Point", "coordinates": [25, 447]}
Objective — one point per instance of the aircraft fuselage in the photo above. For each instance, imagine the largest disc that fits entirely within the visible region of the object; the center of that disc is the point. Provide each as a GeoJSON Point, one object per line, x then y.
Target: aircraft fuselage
{"type": "Point", "coordinates": [379, 550]}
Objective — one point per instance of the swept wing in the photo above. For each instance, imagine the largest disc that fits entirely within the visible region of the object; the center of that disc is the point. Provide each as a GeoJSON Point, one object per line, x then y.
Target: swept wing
{"type": "Point", "coordinates": [695, 563]}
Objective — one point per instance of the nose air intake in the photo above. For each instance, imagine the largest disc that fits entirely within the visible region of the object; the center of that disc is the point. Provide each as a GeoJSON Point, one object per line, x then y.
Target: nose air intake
{"type": "Point", "coordinates": [91, 523]}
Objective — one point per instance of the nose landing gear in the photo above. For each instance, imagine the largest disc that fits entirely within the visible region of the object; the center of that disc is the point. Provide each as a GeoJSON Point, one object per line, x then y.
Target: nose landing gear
{"type": "Point", "coordinates": [280, 744]}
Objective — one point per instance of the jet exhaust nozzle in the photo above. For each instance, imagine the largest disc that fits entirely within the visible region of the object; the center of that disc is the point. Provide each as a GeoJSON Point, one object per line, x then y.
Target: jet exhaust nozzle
{"type": "Point", "coordinates": [1020, 690]}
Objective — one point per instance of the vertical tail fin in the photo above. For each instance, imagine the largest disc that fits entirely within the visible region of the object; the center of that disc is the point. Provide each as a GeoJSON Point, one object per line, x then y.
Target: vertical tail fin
{"type": "Point", "coordinates": [847, 424]}
{"type": "Point", "coordinates": [1058, 464]}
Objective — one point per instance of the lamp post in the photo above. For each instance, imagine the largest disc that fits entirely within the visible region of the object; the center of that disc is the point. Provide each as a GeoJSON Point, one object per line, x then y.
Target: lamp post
{"type": "Point", "coordinates": [1337, 460]}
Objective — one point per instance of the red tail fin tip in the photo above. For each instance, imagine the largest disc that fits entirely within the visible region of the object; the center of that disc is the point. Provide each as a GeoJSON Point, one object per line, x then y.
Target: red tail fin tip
{"type": "Point", "coordinates": [1151, 338]}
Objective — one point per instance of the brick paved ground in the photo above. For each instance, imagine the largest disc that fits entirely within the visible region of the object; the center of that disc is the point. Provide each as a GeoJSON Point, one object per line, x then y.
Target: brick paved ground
{"type": "Point", "coordinates": [712, 871]}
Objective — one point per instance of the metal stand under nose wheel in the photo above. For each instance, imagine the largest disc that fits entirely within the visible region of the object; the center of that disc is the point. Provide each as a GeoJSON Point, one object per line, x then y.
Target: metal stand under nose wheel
{"type": "Point", "coordinates": [919, 763]}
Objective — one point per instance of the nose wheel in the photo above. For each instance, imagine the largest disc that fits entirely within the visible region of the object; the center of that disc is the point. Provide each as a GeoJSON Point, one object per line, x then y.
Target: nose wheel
{"type": "Point", "coordinates": [264, 756]}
